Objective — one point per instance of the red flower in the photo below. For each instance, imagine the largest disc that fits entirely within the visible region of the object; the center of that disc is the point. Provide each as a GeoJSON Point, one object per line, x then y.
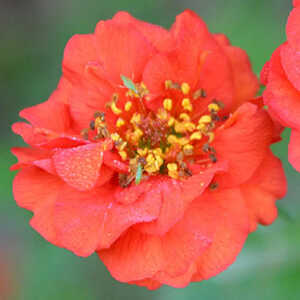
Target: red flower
{"type": "Point", "coordinates": [281, 76]}
{"type": "Point", "coordinates": [148, 153]}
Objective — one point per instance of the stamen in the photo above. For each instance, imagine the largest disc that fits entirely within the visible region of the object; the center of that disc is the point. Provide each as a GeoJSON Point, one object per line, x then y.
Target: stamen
{"type": "Point", "coordinates": [168, 103]}
{"type": "Point", "coordinates": [184, 117]}
{"type": "Point", "coordinates": [205, 119]}
{"type": "Point", "coordinates": [128, 106]}
{"type": "Point", "coordinates": [185, 88]}
{"type": "Point", "coordinates": [196, 136]}
{"type": "Point", "coordinates": [115, 109]}
{"type": "Point", "coordinates": [172, 170]}
{"type": "Point", "coordinates": [120, 122]}
{"type": "Point", "coordinates": [213, 107]}
{"type": "Point", "coordinates": [186, 104]}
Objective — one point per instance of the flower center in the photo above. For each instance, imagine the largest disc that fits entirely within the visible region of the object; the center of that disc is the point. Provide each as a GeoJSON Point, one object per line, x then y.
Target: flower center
{"type": "Point", "coordinates": [167, 140]}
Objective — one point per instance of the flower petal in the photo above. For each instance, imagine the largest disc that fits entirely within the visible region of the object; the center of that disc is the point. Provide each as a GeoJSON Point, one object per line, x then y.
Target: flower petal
{"type": "Point", "coordinates": [232, 231]}
{"type": "Point", "coordinates": [160, 38]}
{"type": "Point", "coordinates": [267, 185]}
{"type": "Point", "coordinates": [80, 166]}
{"type": "Point", "coordinates": [86, 221]}
{"type": "Point", "coordinates": [290, 59]}
{"type": "Point", "coordinates": [176, 197]}
{"type": "Point", "coordinates": [294, 149]}
{"type": "Point", "coordinates": [119, 48]}
{"type": "Point", "coordinates": [293, 28]}
{"type": "Point", "coordinates": [243, 141]}
{"type": "Point", "coordinates": [280, 95]}
{"type": "Point", "coordinates": [168, 254]}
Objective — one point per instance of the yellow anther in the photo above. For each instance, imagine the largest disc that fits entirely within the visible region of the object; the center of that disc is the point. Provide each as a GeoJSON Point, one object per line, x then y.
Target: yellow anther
{"type": "Point", "coordinates": [120, 122]}
{"type": "Point", "coordinates": [142, 152]}
{"type": "Point", "coordinates": [172, 170]}
{"type": "Point", "coordinates": [186, 104]}
{"type": "Point", "coordinates": [182, 141]}
{"type": "Point", "coordinates": [211, 136]}
{"type": "Point", "coordinates": [172, 139]}
{"type": "Point", "coordinates": [157, 152]}
{"type": "Point", "coordinates": [115, 137]}
{"type": "Point", "coordinates": [213, 107]}
{"type": "Point", "coordinates": [196, 136]}
{"type": "Point", "coordinates": [168, 84]}
{"type": "Point", "coordinates": [150, 158]}
{"type": "Point", "coordinates": [137, 134]}
{"type": "Point", "coordinates": [135, 119]}
{"type": "Point", "coordinates": [128, 106]}
{"type": "Point", "coordinates": [189, 126]}
{"type": "Point", "coordinates": [123, 155]}
{"type": "Point", "coordinates": [99, 123]}
{"type": "Point", "coordinates": [205, 119]}
{"type": "Point", "coordinates": [158, 162]}
{"type": "Point", "coordinates": [179, 127]}
{"type": "Point", "coordinates": [184, 117]}
{"type": "Point", "coordinates": [122, 146]}
{"type": "Point", "coordinates": [171, 122]}
{"type": "Point", "coordinates": [162, 114]}
{"type": "Point", "coordinates": [201, 127]}
{"type": "Point", "coordinates": [168, 103]}
{"type": "Point", "coordinates": [185, 88]}
{"type": "Point", "coordinates": [115, 109]}
{"type": "Point", "coordinates": [188, 149]}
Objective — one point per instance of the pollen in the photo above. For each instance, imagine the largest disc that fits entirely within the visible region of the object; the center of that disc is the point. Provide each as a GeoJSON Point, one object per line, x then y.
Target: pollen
{"type": "Point", "coordinates": [185, 88]}
{"type": "Point", "coordinates": [172, 170]}
{"type": "Point", "coordinates": [128, 106]}
{"type": "Point", "coordinates": [184, 117]}
{"type": "Point", "coordinates": [211, 136]}
{"type": "Point", "coordinates": [188, 149]}
{"type": "Point", "coordinates": [142, 152]}
{"type": "Point", "coordinates": [120, 122]}
{"type": "Point", "coordinates": [179, 127]}
{"type": "Point", "coordinates": [213, 107]}
{"type": "Point", "coordinates": [168, 84]}
{"type": "Point", "coordinates": [115, 137]}
{"type": "Point", "coordinates": [186, 104]}
{"type": "Point", "coordinates": [171, 122]}
{"type": "Point", "coordinates": [123, 155]}
{"type": "Point", "coordinates": [189, 126]}
{"type": "Point", "coordinates": [136, 119]}
{"type": "Point", "coordinates": [115, 109]}
{"type": "Point", "coordinates": [196, 136]}
{"type": "Point", "coordinates": [205, 119]}
{"type": "Point", "coordinates": [168, 103]}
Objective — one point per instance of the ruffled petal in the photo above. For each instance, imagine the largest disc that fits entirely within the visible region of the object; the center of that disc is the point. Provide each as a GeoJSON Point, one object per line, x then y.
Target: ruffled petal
{"type": "Point", "coordinates": [167, 256]}
{"type": "Point", "coordinates": [267, 185]}
{"type": "Point", "coordinates": [246, 84]}
{"type": "Point", "coordinates": [293, 28]}
{"type": "Point", "coordinates": [294, 149]}
{"type": "Point", "coordinates": [86, 221]}
{"type": "Point", "coordinates": [119, 48]}
{"type": "Point", "coordinates": [176, 197]}
{"type": "Point", "coordinates": [232, 231]}
{"type": "Point", "coordinates": [243, 142]}
{"type": "Point", "coordinates": [290, 59]}
{"type": "Point", "coordinates": [80, 167]}
{"type": "Point", "coordinates": [280, 95]}
{"type": "Point", "coordinates": [160, 38]}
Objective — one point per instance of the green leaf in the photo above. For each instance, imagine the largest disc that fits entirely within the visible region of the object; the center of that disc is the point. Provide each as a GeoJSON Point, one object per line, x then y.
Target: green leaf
{"type": "Point", "coordinates": [129, 83]}
{"type": "Point", "coordinates": [139, 173]}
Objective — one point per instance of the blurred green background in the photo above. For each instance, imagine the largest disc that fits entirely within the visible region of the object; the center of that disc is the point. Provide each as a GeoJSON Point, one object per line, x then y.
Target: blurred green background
{"type": "Point", "coordinates": [33, 34]}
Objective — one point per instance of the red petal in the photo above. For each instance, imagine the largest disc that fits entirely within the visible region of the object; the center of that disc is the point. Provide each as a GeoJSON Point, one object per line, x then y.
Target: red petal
{"type": "Point", "coordinates": [296, 3]}
{"type": "Point", "coordinates": [294, 149]}
{"type": "Point", "coordinates": [149, 283]}
{"type": "Point", "coordinates": [80, 166]}
{"type": "Point", "coordinates": [290, 59]}
{"type": "Point", "coordinates": [264, 74]}
{"type": "Point", "coordinates": [171, 254]}
{"type": "Point", "coordinates": [176, 197]}
{"type": "Point", "coordinates": [267, 185]}
{"type": "Point", "coordinates": [50, 115]}
{"type": "Point", "coordinates": [243, 142]}
{"type": "Point", "coordinates": [37, 191]}
{"type": "Point", "coordinates": [232, 231]}
{"type": "Point", "coordinates": [281, 97]}
{"type": "Point", "coordinates": [293, 28]}
{"type": "Point", "coordinates": [79, 51]}
{"type": "Point", "coordinates": [119, 48]}
{"type": "Point", "coordinates": [246, 84]}
{"type": "Point", "coordinates": [90, 220]}
{"type": "Point", "coordinates": [160, 38]}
